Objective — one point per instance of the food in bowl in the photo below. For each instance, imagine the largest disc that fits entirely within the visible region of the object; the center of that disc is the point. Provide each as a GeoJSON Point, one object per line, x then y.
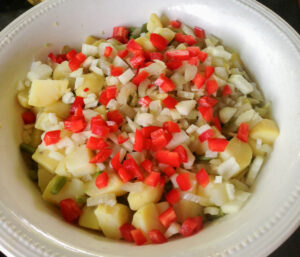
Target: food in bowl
{"type": "Point", "coordinates": [147, 134]}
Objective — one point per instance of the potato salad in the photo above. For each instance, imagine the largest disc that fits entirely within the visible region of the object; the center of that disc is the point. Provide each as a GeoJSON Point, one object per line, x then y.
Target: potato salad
{"type": "Point", "coordinates": [147, 134]}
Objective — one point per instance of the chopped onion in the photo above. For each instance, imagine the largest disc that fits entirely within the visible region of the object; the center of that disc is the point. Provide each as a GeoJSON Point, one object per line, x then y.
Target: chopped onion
{"type": "Point", "coordinates": [144, 119]}
{"type": "Point", "coordinates": [210, 154]}
{"type": "Point", "coordinates": [254, 170]}
{"type": "Point", "coordinates": [218, 51]}
{"type": "Point", "coordinates": [178, 139]}
{"type": "Point", "coordinates": [241, 83]}
{"type": "Point", "coordinates": [232, 206]}
{"type": "Point", "coordinates": [211, 211]}
{"type": "Point", "coordinates": [242, 195]}
{"type": "Point", "coordinates": [230, 191]}
{"type": "Point", "coordinates": [190, 72]}
{"type": "Point", "coordinates": [89, 49]}
{"type": "Point", "coordinates": [185, 107]}
{"type": "Point", "coordinates": [77, 73]}
{"type": "Point", "coordinates": [97, 70]}
{"type": "Point", "coordinates": [56, 155]}
{"type": "Point", "coordinates": [191, 158]}
{"type": "Point", "coordinates": [173, 180]}
{"type": "Point", "coordinates": [39, 71]}
{"type": "Point", "coordinates": [228, 168]}
{"type": "Point", "coordinates": [78, 82]}
{"type": "Point", "coordinates": [88, 61]}
{"type": "Point", "coordinates": [227, 113]}
{"type": "Point", "coordinates": [186, 95]}
{"type": "Point", "coordinates": [194, 198]}
{"type": "Point", "coordinates": [203, 128]}
{"type": "Point", "coordinates": [191, 129]}
{"type": "Point", "coordinates": [218, 179]}
{"type": "Point", "coordinates": [107, 199]}
{"type": "Point", "coordinates": [172, 230]}
{"type": "Point", "coordinates": [119, 62]}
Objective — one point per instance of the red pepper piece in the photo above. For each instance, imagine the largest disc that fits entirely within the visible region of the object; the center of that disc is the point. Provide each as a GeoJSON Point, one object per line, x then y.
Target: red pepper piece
{"type": "Point", "coordinates": [167, 217]}
{"type": "Point", "coordinates": [120, 33]}
{"type": "Point", "coordinates": [146, 131]}
{"type": "Point", "coordinates": [78, 102]}
{"type": "Point", "coordinates": [171, 126]}
{"type": "Point", "coordinates": [86, 89]}
{"type": "Point", "coordinates": [202, 177]}
{"type": "Point", "coordinates": [137, 61]}
{"type": "Point", "coordinates": [103, 99]}
{"type": "Point", "coordinates": [138, 141]}
{"type": "Point", "coordinates": [111, 92]}
{"type": "Point", "coordinates": [152, 179]}
{"type": "Point", "coordinates": [123, 53]}
{"type": "Point", "coordinates": [116, 71]}
{"type": "Point", "coordinates": [28, 117]}
{"type": "Point", "coordinates": [147, 165]}
{"type": "Point", "coordinates": [243, 132]}
{"type": "Point", "coordinates": [138, 237]}
{"type": "Point", "coordinates": [125, 175]}
{"type": "Point", "coordinates": [158, 41]}
{"type": "Point", "coordinates": [207, 101]}
{"type": "Point", "coordinates": [108, 51]}
{"type": "Point", "coordinates": [191, 226]}
{"type": "Point", "coordinates": [115, 162]}
{"type": "Point", "coordinates": [101, 180]}
{"type": "Point", "coordinates": [167, 157]}
{"type": "Point", "coordinates": [199, 80]}
{"type": "Point", "coordinates": [199, 32]}
{"type": "Point", "coordinates": [121, 139]}
{"type": "Point", "coordinates": [99, 127]}
{"type": "Point", "coordinates": [95, 143]}
{"type": "Point", "coordinates": [75, 124]}
{"type": "Point", "coordinates": [52, 137]}
{"type": "Point", "coordinates": [182, 153]}
{"type": "Point", "coordinates": [209, 70]}
{"type": "Point", "coordinates": [217, 123]}
{"type": "Point", "coordinates": [211, 86]}
{"type": "Point", "coordinates": [132, 167]}
{"type": "Point", "coordinates": [172, 196]}
{"type": "Point", "coordinates": [125, 231]}
{"type": "Point", "coordinates": [180, 55]}
{"type": "Point", "coordinates": [71, 54]}
{"type": "Point", "coordinates": [226, 90]}
{"type": "Point", "coordinates": [145, 101]}
{"type": "Point", "coordinates": [193, 50]}
{"type": "Point", "coordinates": [52, 57]}
{"type": "Point", "coordinates": [188, 39]}
{"type": "Point", "coordinates": [183, 181]}
{"type": "Point", "coordinates": [156, 237]}
{"type": "Point", "coordinates": [132, 45]}
{"type": "Point", "coordinates": [217, 144]}
{"type": "Point", "coordinates": [174, 64]}
{"type": "Point", "coordinates": [156, 56]}
{"type": "Point", "coordinates": [194, 61]}
{"type": "Point", "coordinates": [206, 112]}
{"type": "Point", "coordinates": [206, 135]}
{"type": "Point", "coordinates": [159, 139]}
{"type": "Point", "coordinates": [169, 171]}
{"type": "Point", "coordinates": [74, 64]}
{"type": "Point", "coordinates": [170, 102]}
{"type": "Point", "coordinates": [165, 83]}
{"type": "Point", "coordinates": [101, 156]}
{"type": "Point", "coordinates": [115, 116]}
{"type": "Point", "coordinates": [112, 126]}
{"type": "Point", "coordinates": [138, 79]}
{"type": "Point", "coordinates": [69, 210]}
{"type": "Point", "coordinates": [176, 24]}
{"type": "Point", "coordinates": [202, 56]}
{"type": "Point", "coordinates": [61, 58]}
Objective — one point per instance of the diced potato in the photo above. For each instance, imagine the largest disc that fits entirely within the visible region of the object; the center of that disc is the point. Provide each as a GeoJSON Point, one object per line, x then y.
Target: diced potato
{"type": "Point", "coordinates": [44, 177]}
{"type": "Point", "coordinates": [72, 189]}
{"type": "Point", "coordinates": [93, 82]}
{"type": "Point", "coordinates": [111, 218]}
{"type": "Point", "coordinates": [88, 218]}
{"type": "Point", "coordinates": [226, 113]}
{"type": "Point", "coordinates": [255, 149]}
{"type": "Point", "coordinates": [61, 109]}
{"type": "Point", "coordinates": [186, 209]}
{"type": "Point", "coordinates": [240, 150]}
{"type": "Point", "coordinates": [46, 92]}
{"type": "Point", "coordinates": [153, 23]}
{"type": "Point", "coordinates": [77, 162]}
{"type": "Point", "coordinates": [42, 158]}
{"type": "Point", "coordinates": [61, 169]}
{"type": "Point", "coordinates": [44, 122]}
{"type": "Point", "coordinates": [23, 98]}
{"type": "Point", "coordinates": [146, 219]}
{"type": "Point", "coordinates": [266, 130]}
{"type": "Point", "coordinates": [114, 186]}
{"type": "Point", "coordinates": [149, 194]}
{"type": "Point", "coordinates": [62, 71]}
{"type": "Point", "coordinates": [91, 40]}
{"type": "Point", "coordinates": [166, 33]}
{"type": "Point", "coordinates": [146, 44]}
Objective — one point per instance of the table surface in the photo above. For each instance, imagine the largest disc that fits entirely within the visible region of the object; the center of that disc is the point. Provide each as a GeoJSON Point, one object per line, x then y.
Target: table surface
{"type": "Point", "coordinates": [287, 9]}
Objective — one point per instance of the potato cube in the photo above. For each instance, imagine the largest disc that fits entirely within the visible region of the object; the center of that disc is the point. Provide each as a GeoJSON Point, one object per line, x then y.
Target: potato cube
{"type": "Point", "coordinates": [186, 209]}
{"type": "Point", "coordinates": [266, 130]}
{"type": "Point", "coordinates": [93, 82]}
{"type": "Point", "coordinates": [42, 158]}
{"type": "Point", "coordinates": [61, 109]}
{"type": "Point", "coordinates": [44, 177]}
{"type": "Point", "coordinates": [88, 218]}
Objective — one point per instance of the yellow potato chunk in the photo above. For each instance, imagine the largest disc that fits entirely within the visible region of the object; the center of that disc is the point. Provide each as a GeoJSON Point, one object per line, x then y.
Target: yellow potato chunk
{"type": "Point", "coordinates": [77, 162]}
{"type": "Point", "coordinates": [93, 82]}
{"type": "Point", "coordinates": [266, 130]}
{"type": "Point", "coordinates": [255, 149]}
{"type": "Point", "coordinates": [186, 209]}
{"type": "Point", "coordinates": [166, 33]}
{"type": "Point", "coordinates": [240, 150]}
{"type": "Point", "coordinates": [44, 177]}
{"type": "Point", "coordinates": [146, 219]}
{"type": "Point", "coordinates": [88, 218]}
{"type": "Point", "coordinates": [149, 194]}
{"type": "Point", "coordinates": [146, 44]}
{"type": "Point", "coordinates": [153, 23]}
{"type": "Point", "coordinates": [111, 218]}
{"type": "Point", "coordinates": [61, 109]}
{"type": "Point", "coordinates": [62, 71]}
{"type": "Point", "coordinates": [46, 92]}
{"type": "Point", "coordinates": [42, 158]}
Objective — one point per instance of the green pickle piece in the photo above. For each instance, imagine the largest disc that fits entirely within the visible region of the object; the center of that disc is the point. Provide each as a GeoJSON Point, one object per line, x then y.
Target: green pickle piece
{"type": "Point", "coordinates": [27, 148]}
{"type": "Point", "coordinates": [58, 185]}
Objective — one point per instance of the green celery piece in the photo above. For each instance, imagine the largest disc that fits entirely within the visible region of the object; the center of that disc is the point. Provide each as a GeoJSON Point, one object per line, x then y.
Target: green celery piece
{"type": "Point", "coordinates": [27, 148]}
{"type": "Point", "coordinates": [58, 185]}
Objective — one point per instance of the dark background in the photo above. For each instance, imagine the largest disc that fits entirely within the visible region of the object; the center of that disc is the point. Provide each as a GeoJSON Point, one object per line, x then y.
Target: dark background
{"type": "Point", "coordinates": [287, 9]}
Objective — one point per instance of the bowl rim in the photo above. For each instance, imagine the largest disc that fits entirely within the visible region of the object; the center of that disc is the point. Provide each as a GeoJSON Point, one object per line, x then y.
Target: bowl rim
{"type": "Point", "coordinates": [16, 240]}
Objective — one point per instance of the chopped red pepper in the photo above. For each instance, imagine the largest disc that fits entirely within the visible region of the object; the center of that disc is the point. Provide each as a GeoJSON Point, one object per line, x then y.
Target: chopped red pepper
{"type": "Point", "coordinates": [52, 57]}
{"type": "Point", "coordinates": [69, 210]}
{"type": "Point", "coordinates": [115, 116]}
{"type": "Point", "coordinates": [172, 196]}
{"type": "Point", "coordinates": [146, 131]}
{"type": "Point", "coordinates": [171, 126]}
{"type": "Point", "coordinates": [217, 123]}
{"type": "Point", "coordinates": [199, 80]}
{"type": "Point", "coordinates": [111, 92]}
{"type": "Point", "coordinates": [217, 144]}
{"type": "Point", "coordinates": [193, 50]}
{"type": "Point", "coordinates": [76, 61]}
{"type": "Point", "coordinates": [170, 102]}
{"type": "Point", "coordinates": [202, 56]}
{"type": "Point", "coordinates": [199, 32]}
{"type": "Point", "coordinates": [147, 165]}
{"type": "Point", "coordinates": [101, 156]}
{"type": "Point", "coordinates": [138, 236]}
{"type": "Point", "coordinates": [101, 180]}
{"type": "Point", "coordinates": [75, 124]}
{"type": "Point", "coordinates": [95, 143]}
{"type": "Point", "coordinates": [28, 117]}
{"type": "Point", "coordinates": [71, 54]}
{"type": "Point", "coordinates": [202, 177]}
{"type": "Point", "coordinates": [243, 132]}
{"type": "Point", "coordinates": [115, 161]}
{"type": "Point", "coordinates": [99, 127]}
{"type": "Point", "coordinates": [209, 70]}
{"type": "Point", "coordinates": [167, 157]}
{"type": "Point", "coordinates": [211, 86]}
{"type": "Point", "coordinates": [122, 140]}
{"type": "Point", "coordinates": [138, 79]}
{"type": "Point", "coordinates": [174, 64]}
{"type": "Point", "coordinates": [182, 153]}
{"type": "Point", "coordinates": [207, 101]}
{"type": "Point", "coordinates": [108, 51]}
{"type": "Point", "coordinates": [52, 137]}
{"type": "Point", "coordinates": [145, 101]}
{"type": "Point", "coordinates": [206, 112]}
{"type": "Point", "coordinates": [191, 226]}
{"type": "Point", "coordinates": [152, 179]}
{"type": "Point", "coordinates": [156, 56]}
{"type": "Point", "coordinates": [132, 45]}
{"type": "Point", "coordinates": [125, 230]}
{"type": "Point", "coordinates": [123, 53]}
{"type": "Point", "coordinates": [86, 89]}
{"type": "Point", "coordinates": [78, 102]}
{"type": "Point", "coordinates": [132, 167]}
{"type": "Point", "coordinates": [159, 139]}
{"type": "Point", "coordinates": [183, 181]}
{"type": "Point", "coordinates": [168, 217]}
{"type": "Point", "coordinates": [120, 33]}
{"type": "Point", "coordinates": [180, 55]}
{"type": "Point", "coordinates": [156, 237]}
{"type": "Point", "coordinates": [194, 61]}
{"type": "Point", "coordinates": [165, 83]}
{"type": "Point", "coordinates": [176, 24]}
{"type": "Point", "coordinates": [188, 39]}
{"type": "Point", "coordinates": [226, 90]}
{"type": "Point", "coordinates": [116, 71]}
{"type": "Point", "coordinates": [137, 61]}
{"type": "Point", "coordinates": [206, 135]}
{"type": "Point", "coordinates": [158, 41]}
{"type": "Point", "coordinates": [125, 175]}
{"type": "Point", "coordinates": [169, 171]}
{"type": "Point", "coordinates": [138, 141]}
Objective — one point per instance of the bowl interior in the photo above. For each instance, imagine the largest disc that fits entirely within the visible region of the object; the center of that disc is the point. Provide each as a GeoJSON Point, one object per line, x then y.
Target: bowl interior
{"type": "Point", "coordinates": [267, 53]}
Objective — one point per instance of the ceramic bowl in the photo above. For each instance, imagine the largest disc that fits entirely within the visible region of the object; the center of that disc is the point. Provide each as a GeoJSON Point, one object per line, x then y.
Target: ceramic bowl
{"type": "Point", "coordinates": [270, 50]}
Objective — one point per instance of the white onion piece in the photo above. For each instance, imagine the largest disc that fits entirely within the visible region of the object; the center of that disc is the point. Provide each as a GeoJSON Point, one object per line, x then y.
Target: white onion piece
{"type": "Point", "coordinates": [185, 107]}
{"type": "Point", "coordinates": [144, 119]}
{"type": "Point", "coordinates": [230, 191]}
{"type": "Point", "coordinates": [193, 198]}
{"type": "Point", "coordinates": [254, 170]}
{"type": "Point", "coordinates": [133, 187]}
{"type": "Point", "coordinates": [211, 210]}
{"type": "Point", "coordinates": [241, 83]}
{"type": "Point", "coordinates": [172, 230]}
{"type": "Point", "coordinates": [178, 139]}
{"type": "Point", "coordinates": [228, 168]}
{"type": "Point", "coordinates": [89, 49]}
{"type": "Point", "coordinates": [107, 199]}
{"type": "Point", "coordinates": [126, 76]}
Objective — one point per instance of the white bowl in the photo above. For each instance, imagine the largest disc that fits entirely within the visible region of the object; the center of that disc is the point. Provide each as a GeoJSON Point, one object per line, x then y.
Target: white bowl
{"type": "Point", "coordinates": [270, 50]}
